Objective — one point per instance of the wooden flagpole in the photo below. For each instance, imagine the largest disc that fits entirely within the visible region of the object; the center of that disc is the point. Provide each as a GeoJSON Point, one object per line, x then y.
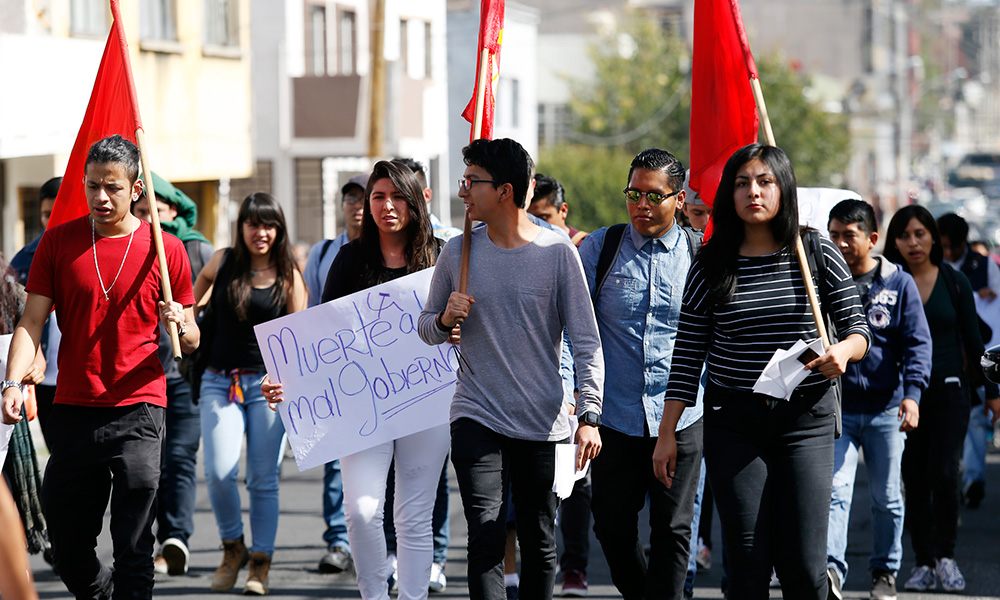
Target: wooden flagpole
{"type": "Point", "coordinates": [140, 138]}
{"type": "Point", "coordinates": [477, 129]}
{"type": "Point", "coordinates": [800, 250]}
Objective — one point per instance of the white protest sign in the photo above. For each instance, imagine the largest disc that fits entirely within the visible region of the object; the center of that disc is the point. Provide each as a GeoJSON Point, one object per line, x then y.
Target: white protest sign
{"type": "Point", "coordinates": [355, 372]}
{"type": "Point", "coordinates": [815, 205]}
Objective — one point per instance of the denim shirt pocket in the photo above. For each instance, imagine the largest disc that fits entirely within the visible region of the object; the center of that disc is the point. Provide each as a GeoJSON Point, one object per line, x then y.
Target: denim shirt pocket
{"type": "Point", "coordinates": [620, 297]}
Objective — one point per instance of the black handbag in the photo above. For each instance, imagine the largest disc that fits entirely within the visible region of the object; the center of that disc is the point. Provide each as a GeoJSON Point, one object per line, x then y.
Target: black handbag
{"type": "Point", "coordinates": [193, 365]}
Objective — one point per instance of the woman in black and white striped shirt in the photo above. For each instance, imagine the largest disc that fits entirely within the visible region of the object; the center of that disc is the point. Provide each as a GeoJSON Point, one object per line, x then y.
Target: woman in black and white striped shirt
{"type": "Point", "coordinates": [770, 461]}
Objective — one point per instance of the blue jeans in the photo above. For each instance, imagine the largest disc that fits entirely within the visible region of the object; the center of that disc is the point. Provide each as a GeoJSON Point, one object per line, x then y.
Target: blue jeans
{"type": "Point", "coordinates": [974, 452]}
{"type": "Point", "coordinates": [879, 436]}
{"type": "Point", "coordinates": [333, 507]}
{"type": "Point", "coordinates": [223, 426]}
{"type": "Point", "coordinates": [178, 473]}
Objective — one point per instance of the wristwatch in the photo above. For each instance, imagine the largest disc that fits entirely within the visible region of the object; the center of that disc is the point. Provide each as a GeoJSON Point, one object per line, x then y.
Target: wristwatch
{"type": "Point", "coordinates": [8, 383]}
{"type": "Point", "coordinates": [589, 418]}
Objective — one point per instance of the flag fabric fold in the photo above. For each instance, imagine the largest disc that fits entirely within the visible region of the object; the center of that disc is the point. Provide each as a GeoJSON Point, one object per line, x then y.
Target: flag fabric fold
{"type": "Point", "coordinates": [723, 113]}
{"type": "Point", "coordinates": [490, 38]}
{"type": "Point", "coordinates": [113, 108]}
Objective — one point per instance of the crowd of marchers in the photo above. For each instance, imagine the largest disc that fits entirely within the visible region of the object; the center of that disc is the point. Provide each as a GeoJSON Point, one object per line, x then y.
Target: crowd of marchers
{"type": "Point", "coordinates": [642, 343]}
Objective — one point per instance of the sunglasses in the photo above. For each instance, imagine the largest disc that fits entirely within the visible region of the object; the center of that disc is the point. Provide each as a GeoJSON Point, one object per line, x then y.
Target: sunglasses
{"type": "Point", "coordinates": [654, 198]}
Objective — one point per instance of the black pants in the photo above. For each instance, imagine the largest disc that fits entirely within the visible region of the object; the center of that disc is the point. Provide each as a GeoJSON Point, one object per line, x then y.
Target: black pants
{"type": "Point", "coordinates": [97, 454]}
{"type": "Point", "coordinates": [771, 468]}
{"type": "Point", "coordinates": [623, 479]}
{"type": "Point", "coordinates": [486, 463]}
{"type": "Point", "coordinates": [930, 471]}
{"type": "Point", "coordinates": [574, 524]}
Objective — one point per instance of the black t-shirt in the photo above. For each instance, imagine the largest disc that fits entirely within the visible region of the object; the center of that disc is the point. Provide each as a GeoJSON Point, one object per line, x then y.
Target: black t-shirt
{"type": "Point", "coordinates": [346, 274]}
{"type": "Point", "coordinates": [864, 283]}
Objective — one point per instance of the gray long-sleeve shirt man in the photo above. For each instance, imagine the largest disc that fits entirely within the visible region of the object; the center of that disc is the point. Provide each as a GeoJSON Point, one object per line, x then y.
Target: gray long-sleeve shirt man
{"type": "Point", "coordinates": [512, 337]}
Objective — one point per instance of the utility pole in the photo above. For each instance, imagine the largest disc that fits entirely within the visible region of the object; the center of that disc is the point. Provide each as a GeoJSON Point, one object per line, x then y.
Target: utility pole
{"type": "Point", "coordinates": [376, 125]}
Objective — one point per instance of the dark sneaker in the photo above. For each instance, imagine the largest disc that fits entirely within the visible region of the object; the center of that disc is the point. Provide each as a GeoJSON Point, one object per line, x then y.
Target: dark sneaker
{"type": "Point", "coordinates": [833, 576]}
{"type": "Point", "coordinates": [336, 560]}
{"type": "Point", "coordinates": [974, 494]}
{"type": "Point", "coordinates": [574, 584]}
{"type": "Point", "coordinates": [512, 592]}
{"type": "Point", "coordinates": [883, 586]}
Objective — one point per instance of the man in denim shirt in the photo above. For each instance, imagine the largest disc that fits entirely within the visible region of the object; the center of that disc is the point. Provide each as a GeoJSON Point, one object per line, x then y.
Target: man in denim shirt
{"type": "Point", "coordinates": [637, 309]}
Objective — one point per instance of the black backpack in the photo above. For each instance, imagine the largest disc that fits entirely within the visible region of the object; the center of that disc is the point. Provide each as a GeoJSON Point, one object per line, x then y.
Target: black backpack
{"type": "Point", "coordinates": [612, 244]}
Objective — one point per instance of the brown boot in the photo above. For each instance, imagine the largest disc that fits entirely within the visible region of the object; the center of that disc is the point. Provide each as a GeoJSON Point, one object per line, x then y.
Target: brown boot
{"type": "Point", "coordinates": [256, 585]}
{"type": "Point", "coordinates": [234, 557]}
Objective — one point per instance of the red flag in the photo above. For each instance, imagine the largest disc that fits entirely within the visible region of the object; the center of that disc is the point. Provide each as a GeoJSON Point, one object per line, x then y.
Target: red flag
{"type": "Point", "coordinates": [113, 109]}
{"type": "Point", "coordinates": [723, 113]}
{"type": "Point", "coordinates": [490, 38]}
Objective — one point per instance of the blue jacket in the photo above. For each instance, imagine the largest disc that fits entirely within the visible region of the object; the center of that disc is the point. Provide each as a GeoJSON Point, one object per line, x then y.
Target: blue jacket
{"type": "Point", "coordinates": [901, 345]}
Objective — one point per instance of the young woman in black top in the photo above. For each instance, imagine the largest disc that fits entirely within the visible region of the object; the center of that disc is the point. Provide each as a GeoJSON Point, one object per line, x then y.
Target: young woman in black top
{"type": "Point", "coordinates": [933, 451]}
{"type": "Point", "coordinates": [253, 282]}
{"type": "Point", "coordinates": [770, 461]}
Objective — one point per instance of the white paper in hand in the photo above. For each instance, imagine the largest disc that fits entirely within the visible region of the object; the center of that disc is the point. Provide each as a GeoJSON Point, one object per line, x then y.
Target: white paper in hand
{"type": "Point", "coordinates": [784, 371]}
{"type": "Point", "coordinates": [566, 473]}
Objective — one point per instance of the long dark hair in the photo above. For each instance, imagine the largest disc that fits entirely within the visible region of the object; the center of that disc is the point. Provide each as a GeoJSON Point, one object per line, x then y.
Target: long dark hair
{"type": "Point", "coordinates": [719, 255]}
{"type": "Point", "coordinates": [421, 249]}
{"type": "Point", "coordinates": [897, 228]}
{"type": "Point", "coordinates": [11, 299]}
{"type": "Point", "coordinates": [261, 209]}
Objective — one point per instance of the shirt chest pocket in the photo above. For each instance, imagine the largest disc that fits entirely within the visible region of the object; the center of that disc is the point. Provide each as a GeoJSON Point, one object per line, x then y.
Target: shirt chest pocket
{"type": "Point", "coordinates": [620, 297]}
{"type": "Point", "coordinates": [534, 305]}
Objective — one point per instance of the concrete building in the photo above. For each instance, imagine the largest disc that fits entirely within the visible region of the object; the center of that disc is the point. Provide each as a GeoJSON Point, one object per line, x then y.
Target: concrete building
{"type": "Point", "coordinates": [517, 90]}
{"type": "Point", "coordinates": [190, 59]}
{"type": "Point", "coordinates": [312, 68]}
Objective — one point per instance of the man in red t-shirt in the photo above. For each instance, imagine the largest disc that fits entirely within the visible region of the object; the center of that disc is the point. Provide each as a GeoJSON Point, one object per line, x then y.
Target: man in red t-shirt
{"type": "Point", "coordinates": [100, 274]}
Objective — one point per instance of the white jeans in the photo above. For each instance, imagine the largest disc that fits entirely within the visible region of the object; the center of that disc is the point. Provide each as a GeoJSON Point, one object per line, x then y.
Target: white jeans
{"type": "Point", "coordinates": [418, 468]}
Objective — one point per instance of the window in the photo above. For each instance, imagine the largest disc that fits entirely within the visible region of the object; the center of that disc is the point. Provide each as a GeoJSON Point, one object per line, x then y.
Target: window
{"type": "Point", "coordinates": [89, 17]}
{"type": "Point", "coordinates": [415, 48]}
{"type": "Point", "coordinates": [157, 20]}
{"type": "Point", "coordinates": [346, 43]}
{"type": "Point", "coordinates": [316, 41]}
{"type": "Point", "coordinates": [221, 26]}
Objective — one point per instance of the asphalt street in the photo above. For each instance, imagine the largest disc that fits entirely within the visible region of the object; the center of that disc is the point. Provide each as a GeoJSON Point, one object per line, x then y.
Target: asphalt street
{"type": "Point", "coordinates": [294, 571]}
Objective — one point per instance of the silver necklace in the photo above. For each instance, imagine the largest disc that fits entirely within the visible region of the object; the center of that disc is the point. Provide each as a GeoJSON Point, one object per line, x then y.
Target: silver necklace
{"type": "Point", "coordinates": [93, 245]}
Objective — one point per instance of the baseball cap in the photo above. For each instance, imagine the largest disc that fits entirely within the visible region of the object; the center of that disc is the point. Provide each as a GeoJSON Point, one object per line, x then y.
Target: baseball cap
{"type": "Point", "coordinates": [360, 180]}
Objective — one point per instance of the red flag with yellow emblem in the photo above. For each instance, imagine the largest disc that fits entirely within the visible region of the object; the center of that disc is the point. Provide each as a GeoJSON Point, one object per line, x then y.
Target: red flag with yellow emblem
{"type": "Point", "coordinates": [490, 38]}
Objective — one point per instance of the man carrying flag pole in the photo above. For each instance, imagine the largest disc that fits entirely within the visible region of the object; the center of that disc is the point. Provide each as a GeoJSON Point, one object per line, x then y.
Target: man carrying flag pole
{"type": "Point", "coordinates": [97, 271]}
{"type": "Point", "coordinates": [508, 413]}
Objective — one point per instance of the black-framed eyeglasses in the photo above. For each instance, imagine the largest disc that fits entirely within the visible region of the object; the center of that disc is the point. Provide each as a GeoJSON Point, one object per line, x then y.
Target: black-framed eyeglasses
{"type": "Point", "coordinates": [655, 198]}
{"type": "Point", "coordinates": [466, 184]}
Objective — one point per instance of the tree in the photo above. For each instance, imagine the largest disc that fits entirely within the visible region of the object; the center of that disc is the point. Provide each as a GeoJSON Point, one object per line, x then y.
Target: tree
{"type": "Point", "coordinates": [640, 98]}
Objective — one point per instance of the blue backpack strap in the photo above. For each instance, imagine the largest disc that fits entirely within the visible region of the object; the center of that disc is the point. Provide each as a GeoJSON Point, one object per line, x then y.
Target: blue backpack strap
{"type": "Point", "coordinates": [612, 243]}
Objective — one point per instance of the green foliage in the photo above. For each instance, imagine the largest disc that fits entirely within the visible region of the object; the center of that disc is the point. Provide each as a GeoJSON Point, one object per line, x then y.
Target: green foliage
{"type": "Point", "coordinates": [642, 94]}
{"type": "Point", "coordinates": [593, 178]}
{"type": "Point", "coordinates": [641, 98]}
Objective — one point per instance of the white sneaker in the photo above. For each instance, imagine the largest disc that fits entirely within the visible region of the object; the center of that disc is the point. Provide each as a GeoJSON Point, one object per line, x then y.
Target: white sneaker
{"type": "Point", "coordinates": [438, 581]}
{"type": "Point", "coordinates": [949, 576]}
{"type": "Point", "coordinates": [176, 554]}
{"type": "Point", "coordinates": [921, 579]}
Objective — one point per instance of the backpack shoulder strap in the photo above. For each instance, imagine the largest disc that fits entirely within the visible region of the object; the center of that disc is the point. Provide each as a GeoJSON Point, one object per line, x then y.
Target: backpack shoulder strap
{"type": "Point", "coordinates": [326, 246]}
{"type": "Point", "coordinates": [612, 243]}
{"type": "Point", "coordinates": [695, 240]}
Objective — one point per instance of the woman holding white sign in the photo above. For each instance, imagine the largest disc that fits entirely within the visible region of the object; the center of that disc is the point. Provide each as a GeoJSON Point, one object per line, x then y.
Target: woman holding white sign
{"type": "Point", "coordinates": [396, 240]}
{"type": "Point", "coordinates": [253, 282]}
